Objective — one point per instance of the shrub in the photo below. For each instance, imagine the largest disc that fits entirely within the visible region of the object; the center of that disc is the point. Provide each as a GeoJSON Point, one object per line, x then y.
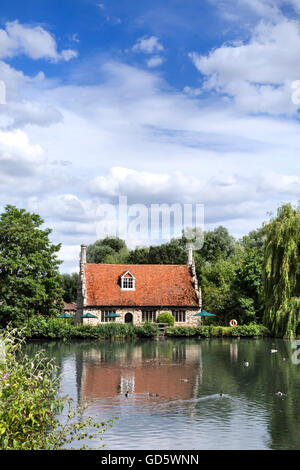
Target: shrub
{"type": "Point", "coordinates": [165, 317]}
{"type": "Point", "coordinates": [53, 328]}
{"type": "Point", "coordinates": [210, 331]}
{"type": "Point", "coordinates": [29, 403]}
{"type": "Point", "coordinates": [148, 330]}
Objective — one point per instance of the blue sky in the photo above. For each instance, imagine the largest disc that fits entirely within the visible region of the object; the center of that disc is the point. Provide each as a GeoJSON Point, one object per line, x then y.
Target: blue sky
{"type": "Point", "coordinates": [164, 101]}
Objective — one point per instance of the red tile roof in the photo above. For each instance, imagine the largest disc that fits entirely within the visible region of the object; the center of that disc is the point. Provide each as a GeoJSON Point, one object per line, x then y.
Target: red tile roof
{"type": "Point", "coordinates": [155, 285]}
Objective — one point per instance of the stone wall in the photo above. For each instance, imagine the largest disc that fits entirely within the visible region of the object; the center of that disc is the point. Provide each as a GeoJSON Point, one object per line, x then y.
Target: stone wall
{"type": "Point", "coordinates": [191, 320]}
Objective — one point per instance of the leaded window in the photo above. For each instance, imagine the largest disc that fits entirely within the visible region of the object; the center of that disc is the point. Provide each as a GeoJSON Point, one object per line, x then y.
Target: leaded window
{"type": "Point", "coordinates": [179, 316]}
{"type": "Point", "coordinates": [148, 315]}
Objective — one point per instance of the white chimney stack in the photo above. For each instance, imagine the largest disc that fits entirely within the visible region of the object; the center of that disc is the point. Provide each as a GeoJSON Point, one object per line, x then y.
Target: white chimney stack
{"type": "Point", "coordinates": [82, 255]}
{"type": "Point", "coordinates": [190, 254]}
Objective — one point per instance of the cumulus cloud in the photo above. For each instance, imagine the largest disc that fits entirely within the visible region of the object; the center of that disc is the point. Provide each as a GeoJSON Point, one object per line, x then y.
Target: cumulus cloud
{"type": "Point", "coordinates": [151, 187]}
{"type": "Point", "coordinates": [17, 155]}
{"type": "Point", "coordinates": [257, 74]}
{"type": "Point", "coordinates": [154, 61]}
{"type": "Point", "coordinates": [148, 45]}
{"type": "Point", "coordinates": [33, 41]}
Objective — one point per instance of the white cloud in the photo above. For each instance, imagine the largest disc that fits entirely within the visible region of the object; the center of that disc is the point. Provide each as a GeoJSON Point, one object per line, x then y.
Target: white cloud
{"type": "Point", "coordinates": [192, 91]}
{"type": "Point", "coordinates": [257, 74]}
{"type": "Point", "coordinates": [16, 151]}
{"type": "Point", "coordinates": [35, 42]}
{"type": "Point", "coordinates": [148, 45]}
{"type": "Point", "coordinates": [154, 61]}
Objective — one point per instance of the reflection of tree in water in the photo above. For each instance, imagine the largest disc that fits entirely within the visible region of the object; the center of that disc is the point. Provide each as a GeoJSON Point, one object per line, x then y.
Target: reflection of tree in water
{"type": "Point", "coordinates": [217, 365]}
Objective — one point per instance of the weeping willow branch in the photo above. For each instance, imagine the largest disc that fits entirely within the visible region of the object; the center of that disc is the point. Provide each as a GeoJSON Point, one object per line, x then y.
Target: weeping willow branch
{"type": "Point", "coordinates": [282, 272]}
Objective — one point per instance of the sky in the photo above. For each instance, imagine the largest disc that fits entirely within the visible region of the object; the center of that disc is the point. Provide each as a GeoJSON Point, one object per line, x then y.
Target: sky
{"type": "Point", "coordinates": [174, 101]}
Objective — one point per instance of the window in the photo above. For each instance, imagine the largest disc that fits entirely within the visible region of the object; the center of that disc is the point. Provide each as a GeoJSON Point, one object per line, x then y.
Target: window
{"type": "Point", "coordinates": [127, 281]}
{"type": "Point", "coordinates": [103, 315]}
{"type": "Point", "coordinates": [179, 315]}
{"type": "Point", "coordinates": [148, 315]}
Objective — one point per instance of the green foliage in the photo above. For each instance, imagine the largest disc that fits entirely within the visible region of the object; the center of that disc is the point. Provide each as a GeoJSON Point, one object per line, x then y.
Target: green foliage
{"type": "Point", "coordinates": [282, 272]}
{"type": "Point", "coordinates": [29, 403]}
{"type": "Point", "coordinates": [167, 253]}
{"type": "Point", "coordinates": [70, 285]}
{"type": "Point", "coordinates": [210, 331]}
{"type": "Point", "coordinates": [147, 330]}
{"type": "Point", "coordinates": [217, 287]}
{"type": "Point", "coordinates": [217, 243]}
{"type": "Point", "coordinates": [110, 250]}
{"type": "Point", "coordinates": [165, 317]}
{"type": "Point", "coordinates": [30, 283]}
{"type": "Point", "coordinates": [52, 328]}
{"type": "Point", "coordinates": [60, 328]}
{"type": "Point", "coordinates": [139, 256]}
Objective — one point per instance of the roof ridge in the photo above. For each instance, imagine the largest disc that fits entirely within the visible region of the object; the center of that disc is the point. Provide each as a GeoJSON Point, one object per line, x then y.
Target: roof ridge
{"type": "Point", "coordinates": [140, 264]}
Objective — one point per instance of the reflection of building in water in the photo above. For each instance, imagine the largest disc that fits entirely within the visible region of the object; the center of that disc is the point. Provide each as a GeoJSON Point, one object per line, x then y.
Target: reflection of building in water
{"type": "Point", "coordinates": [127, 383]}
{"type": "Point", "coordinates": [233, 352]}
{"type": "Point", "coordinates": [169, 377]}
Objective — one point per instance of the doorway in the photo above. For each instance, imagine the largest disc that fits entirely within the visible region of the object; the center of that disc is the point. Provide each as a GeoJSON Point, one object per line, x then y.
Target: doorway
{"type": "Point", "coordinates": [128, 318]}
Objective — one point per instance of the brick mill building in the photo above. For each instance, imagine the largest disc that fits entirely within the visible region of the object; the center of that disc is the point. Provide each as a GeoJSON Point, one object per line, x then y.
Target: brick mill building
{"type": "Point", "coordinates": [137, 292]}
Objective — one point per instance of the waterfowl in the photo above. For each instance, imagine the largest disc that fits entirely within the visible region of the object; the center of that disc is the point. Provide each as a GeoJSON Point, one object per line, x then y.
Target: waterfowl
{"type": "Point", "coordinates": [221, 393]}
{"type": "Point", "coordinates": [126, 393]}
{"type": "Point", "coordinates": [245, 363]}
{"type": "Point", "coordinates": [279, 394]}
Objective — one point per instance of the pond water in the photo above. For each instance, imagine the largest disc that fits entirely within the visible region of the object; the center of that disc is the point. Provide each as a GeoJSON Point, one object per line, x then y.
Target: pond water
{"type": "Point", "coordinates": [174, 390]}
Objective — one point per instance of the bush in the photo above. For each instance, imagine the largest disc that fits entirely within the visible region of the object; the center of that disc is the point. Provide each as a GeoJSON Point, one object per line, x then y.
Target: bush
{"type": "Point", "coordinates": [148, 330]}
{"type": "Point", "coordinates": [53, 328]}
{"type": "Point", "coordinates": [59, 328]}
{"type": "Point", "coordinates": [29, 403]}
{"type": "Point", "coordinates": [210, 331]}
{"type": "Point", "coordinates": [165, 317]}
{"type": "Point", "coordinates": [250, 330]}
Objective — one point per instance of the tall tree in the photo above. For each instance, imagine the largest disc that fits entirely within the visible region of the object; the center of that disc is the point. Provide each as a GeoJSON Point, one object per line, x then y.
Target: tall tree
{"type": "Point", "coordinates": [107, 250]}
{"type": "Point", "coordinates": [282, 272]}
{"type": "Point", "coordinates": [29, 279]}
{"type": "Point", "coordinates": [70, 286]}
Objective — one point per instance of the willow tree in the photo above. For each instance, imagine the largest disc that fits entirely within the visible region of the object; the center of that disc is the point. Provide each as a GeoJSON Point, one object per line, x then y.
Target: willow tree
{"type": "Point", "coordinates": [282, 272]}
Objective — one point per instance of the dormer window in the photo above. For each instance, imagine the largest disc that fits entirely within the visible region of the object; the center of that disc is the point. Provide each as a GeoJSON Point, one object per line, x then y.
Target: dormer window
{"type": "Point", "coordinates": [127, 281]}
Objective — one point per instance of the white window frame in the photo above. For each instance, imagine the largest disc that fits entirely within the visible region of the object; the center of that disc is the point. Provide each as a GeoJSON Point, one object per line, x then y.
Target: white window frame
{"type": "Point", "coordinates": [123, 278]}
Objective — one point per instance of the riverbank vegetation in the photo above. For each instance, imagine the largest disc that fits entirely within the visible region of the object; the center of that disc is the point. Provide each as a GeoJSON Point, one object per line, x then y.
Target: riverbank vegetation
{"type": "Point", "coordinates": [55, 328]}
{"type": "Point", "coordinates": [30, 404]}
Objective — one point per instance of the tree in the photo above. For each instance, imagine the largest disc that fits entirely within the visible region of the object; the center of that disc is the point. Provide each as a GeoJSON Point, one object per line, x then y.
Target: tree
{"type": "Point", "coordinates": [111, 250]}
{"type": "Point", "coordinates": [70, 286]}
{"type": "Point", "coordinates": [216, 281]}
{"type": "Point", "coordinates": [247, 284]}
{"type": "Point", "coordinates": [217, 243]}
{"type": "Point", "coordinates": [168, 253]}
{"type": "Point", "coordinates": [281, 272]}
{"type": "Point", "coordinates": [139, 256]}
{"type": "Point", "coordinates": [30, 283]}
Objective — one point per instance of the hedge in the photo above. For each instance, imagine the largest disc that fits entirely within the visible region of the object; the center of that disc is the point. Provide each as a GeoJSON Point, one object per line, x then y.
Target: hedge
{"type": "Point", "coordinates": [209, 331]}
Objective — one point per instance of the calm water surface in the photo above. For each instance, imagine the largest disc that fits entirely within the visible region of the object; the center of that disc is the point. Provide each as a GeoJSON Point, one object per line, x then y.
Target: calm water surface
{"type": "Point", "coordinates": [174, 389]}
